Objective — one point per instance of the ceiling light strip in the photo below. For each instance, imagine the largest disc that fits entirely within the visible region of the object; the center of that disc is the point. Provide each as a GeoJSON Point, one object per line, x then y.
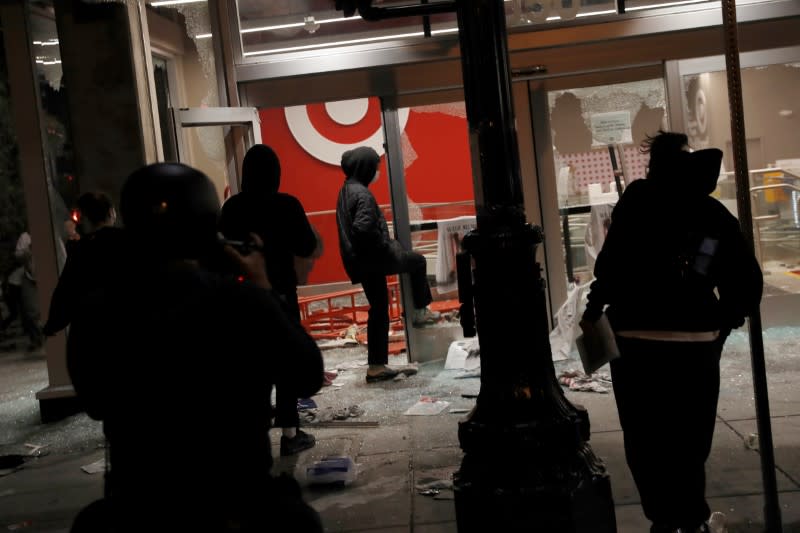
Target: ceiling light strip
{"type": "Point", "coordinates": [351, 41]}
{"type": "Point", "coordinates": [162, 3]}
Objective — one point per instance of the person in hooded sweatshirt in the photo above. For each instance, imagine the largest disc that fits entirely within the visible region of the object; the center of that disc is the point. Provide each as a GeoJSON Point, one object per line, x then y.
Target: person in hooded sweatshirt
{"type": "Point", "coordinates": [369, 255]}
{"type": "Point", "coordinates": [676, 276]}
{"type": "Point", "coordinates": [280, 221]}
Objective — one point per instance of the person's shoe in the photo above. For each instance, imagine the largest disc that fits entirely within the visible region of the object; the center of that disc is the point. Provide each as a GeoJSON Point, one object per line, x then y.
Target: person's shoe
{"type": "Point", "coordinates": [385, 374]}
{"type": "Point", "coordinates": [425, 316]}
{"type": "Point", "coordinates": [717, 523]}
{"type": "Point", "coordinates": [301, 441]}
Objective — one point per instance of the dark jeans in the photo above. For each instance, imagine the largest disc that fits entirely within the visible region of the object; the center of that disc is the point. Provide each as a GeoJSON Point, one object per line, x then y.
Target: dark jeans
{"type": "Point", "coordinates": [30, 313]}
{"type": "Point", "coordinates": [286, 400]}
{"type": "Point", "coordinates": [376, 291]}
{"type": "Point", "coordinates": [13, 298]}
{"type": "Point", "coordinates": [666, 394]}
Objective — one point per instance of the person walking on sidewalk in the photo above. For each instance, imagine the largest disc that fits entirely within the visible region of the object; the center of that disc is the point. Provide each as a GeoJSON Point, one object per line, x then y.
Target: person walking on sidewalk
{"type": "Point", "coordinates": [369, 255]}
{"type": "Point", "coordinates": [29, 308]}
{"type": "Point", "coordinates": [677, 277]}
{"type": "Point", "coordinates": [289, 240]}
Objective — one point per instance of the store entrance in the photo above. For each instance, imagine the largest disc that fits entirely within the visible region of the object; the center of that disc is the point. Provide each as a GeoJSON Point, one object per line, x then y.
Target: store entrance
{"type": "Point", "coordinates": [587, 151]}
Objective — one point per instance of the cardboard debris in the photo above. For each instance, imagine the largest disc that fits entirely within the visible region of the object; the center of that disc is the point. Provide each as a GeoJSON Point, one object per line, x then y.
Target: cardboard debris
{"type": "Point", "coordinates": [95, 467]}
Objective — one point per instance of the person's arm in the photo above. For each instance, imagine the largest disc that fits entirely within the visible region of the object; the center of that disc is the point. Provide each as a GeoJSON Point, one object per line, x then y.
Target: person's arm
{"type": "Point", "coordinates": [366, 231]}
{"type": "Point", "coordinates": [606, 267]}
{"type": "Point", "coordinates": [64, 296]}
{"type": "Point", "coordinates": [305, 241]}
{"type": "Point", "coordinates": [295, 359]}
{"type": "Point", "coordinates": [741, 281]}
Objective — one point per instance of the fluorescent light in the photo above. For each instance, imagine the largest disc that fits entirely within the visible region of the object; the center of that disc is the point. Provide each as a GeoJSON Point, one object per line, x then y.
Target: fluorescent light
{"type": "Point", "coordinates": [351, 41]}
{"type": "Point", "coordinates": [605, 12]}
{"type": "Point", "coordinates": [174, 2]}
{"type": "Point", "coordinates": [295, 24]}
{"type": "Point", "coordinates": [668, 4]}
{"type": "Point", "coordinates": [203, 36]}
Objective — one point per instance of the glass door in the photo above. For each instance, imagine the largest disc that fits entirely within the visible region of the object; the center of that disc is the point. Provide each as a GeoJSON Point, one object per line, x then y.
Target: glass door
{"type": "Point", "coordinates": [588, 151]}
{"type": "Point", "coordinates": [205, 137]}
{"type": "Point", "coordinates": [770, 83]}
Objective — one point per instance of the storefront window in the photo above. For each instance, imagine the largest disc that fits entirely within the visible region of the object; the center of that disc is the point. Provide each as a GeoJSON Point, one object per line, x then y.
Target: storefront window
{"type": "Point", "coordinates": [185, 76]}
{"type": "Point", "coordinates": [13, 216]}
{"type": "Point", "coordinates": [294, 26]}
{"type": "Point", "coordinates": [63, 183]}
{"type": "Point", "coordinates": [597, 133]}
{"type": "Point", "coordinates": [770, 96]}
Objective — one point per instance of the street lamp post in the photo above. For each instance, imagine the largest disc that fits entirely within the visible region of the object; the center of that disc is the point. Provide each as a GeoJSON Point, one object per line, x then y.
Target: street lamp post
{"type": "Point", "coordinates": [527, 462]}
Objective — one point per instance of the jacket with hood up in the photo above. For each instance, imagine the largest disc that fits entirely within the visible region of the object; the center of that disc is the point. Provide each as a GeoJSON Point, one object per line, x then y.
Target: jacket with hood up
{"type": "Point", "coordinates": [675, 258]}
{"type": "Point", "coordinates": [364, 241]}
{"type": "Point", "coordinates": [278, 218]}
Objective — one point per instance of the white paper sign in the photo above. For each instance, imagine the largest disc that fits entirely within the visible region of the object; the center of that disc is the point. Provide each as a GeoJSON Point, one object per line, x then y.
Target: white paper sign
{"type": "Point", "coordinates": [611, 128]}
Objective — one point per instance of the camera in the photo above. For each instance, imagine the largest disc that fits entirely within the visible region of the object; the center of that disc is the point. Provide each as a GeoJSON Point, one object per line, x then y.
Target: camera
{"type": "Point", "coordinates": [243, 247]}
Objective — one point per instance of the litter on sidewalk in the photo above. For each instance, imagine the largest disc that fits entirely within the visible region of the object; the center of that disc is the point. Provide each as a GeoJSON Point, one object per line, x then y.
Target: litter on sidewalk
{"type": "Point", "coordinates": [575, 380]}
{"type": "Point", "coordinates": [427, 406]}
{"type": "Point", "coordinates": [95, 467]}
{"type": "Point", "coordinates": [339, 470]}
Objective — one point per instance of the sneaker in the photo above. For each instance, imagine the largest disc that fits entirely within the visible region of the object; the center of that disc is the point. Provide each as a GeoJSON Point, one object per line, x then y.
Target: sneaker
{"type": "Point", "coordinates": [717, 523]}
{"type": "Point", "coordinates": [301, 441]}
{"type": "Point", "coordinates": [425, 316]}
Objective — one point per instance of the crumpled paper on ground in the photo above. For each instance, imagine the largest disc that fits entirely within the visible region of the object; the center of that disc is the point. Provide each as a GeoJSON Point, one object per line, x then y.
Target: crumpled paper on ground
{"type": "Point", "coordinates": [575, 380]}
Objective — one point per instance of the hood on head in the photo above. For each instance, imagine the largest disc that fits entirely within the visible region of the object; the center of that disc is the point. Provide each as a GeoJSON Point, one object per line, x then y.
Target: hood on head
{"type": "Point", "coordinates": [261, 171]}
{"type": "Point", "coordinates": [691, 173]}
{"type": "Point", "coordinates": [703, 172]}
{"type": "Point", "coordinates": [361, 164]}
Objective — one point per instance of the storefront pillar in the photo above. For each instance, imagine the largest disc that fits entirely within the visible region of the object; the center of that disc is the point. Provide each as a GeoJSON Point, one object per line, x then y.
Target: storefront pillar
{"type": "Point", "coordinates": [107, 74]}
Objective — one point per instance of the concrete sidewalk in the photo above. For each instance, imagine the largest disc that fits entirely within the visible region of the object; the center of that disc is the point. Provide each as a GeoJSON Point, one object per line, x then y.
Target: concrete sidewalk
{"type": "Point", "coordinates": [395, 453]}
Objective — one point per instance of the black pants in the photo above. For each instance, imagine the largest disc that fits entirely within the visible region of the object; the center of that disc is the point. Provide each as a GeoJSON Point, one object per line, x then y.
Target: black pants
{"type": "Point", "coordinates": [666, 394]}
{"type": "Point", "coordinates": [376, 291]}
{"type": "Point", "coordinates": [13, 298]}
{"type": "Point", "coordinates": [286, 400]}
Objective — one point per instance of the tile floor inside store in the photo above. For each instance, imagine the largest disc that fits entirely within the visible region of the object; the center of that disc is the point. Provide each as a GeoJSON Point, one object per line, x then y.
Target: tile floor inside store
{"type": "Point", "coordinates": [397, 455]}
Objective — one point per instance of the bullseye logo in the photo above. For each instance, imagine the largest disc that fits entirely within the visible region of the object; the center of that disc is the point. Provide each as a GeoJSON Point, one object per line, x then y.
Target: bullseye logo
{"type": "Point", "coordinates": [327, 130]}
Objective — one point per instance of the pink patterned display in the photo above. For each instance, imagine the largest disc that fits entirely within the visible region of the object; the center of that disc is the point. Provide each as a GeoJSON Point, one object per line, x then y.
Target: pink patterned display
{"type": "Point", "coordinates": [595, 167]}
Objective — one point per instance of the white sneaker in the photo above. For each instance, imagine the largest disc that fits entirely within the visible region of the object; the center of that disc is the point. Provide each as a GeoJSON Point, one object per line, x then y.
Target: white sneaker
{"type": "Point", "coordinates": [717, 523]}
{"type": "Point", "coordinates": [425, 316]}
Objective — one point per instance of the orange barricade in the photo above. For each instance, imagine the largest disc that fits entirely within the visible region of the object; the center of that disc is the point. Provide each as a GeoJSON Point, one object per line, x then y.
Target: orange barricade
{"type": "Point", "coordinates": [330, 315]}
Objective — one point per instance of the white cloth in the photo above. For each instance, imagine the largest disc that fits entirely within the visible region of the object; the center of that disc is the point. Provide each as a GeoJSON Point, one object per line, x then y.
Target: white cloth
{"type": "Point", "coordinates": [596, 229]}
{"type": "Point", "coordinates": [562, 338]}
{"type": "Point", "coordinates": [24, 254]}
{"type": "Point", "coordinates": [451, 231]}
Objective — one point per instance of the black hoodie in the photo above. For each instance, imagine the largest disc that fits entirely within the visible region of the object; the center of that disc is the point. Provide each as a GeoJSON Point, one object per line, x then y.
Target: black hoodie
{"type": "Point", "coordinates": [669, 248]}
{"type": "Point", "coordinates": [278, 218]}
{"type": "Point", "coordinates": [363, 233]}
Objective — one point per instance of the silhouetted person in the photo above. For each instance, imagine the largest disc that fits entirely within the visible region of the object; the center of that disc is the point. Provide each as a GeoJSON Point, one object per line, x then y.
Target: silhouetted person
{"type": "Point", "coordinates": [281, 222]}
{"type": "Point", "coordinates": [29, 306]}
{"type": "Point", "coordinates": [91, 259]}
{"type": "Point", "coordinates": [175, 359]}
{"type": "Point", "coordinates": [369, 255]}
{"type": "Point", "coordinates": [677, 277]}
{"type": "Point", "coordinates": [12, 295]}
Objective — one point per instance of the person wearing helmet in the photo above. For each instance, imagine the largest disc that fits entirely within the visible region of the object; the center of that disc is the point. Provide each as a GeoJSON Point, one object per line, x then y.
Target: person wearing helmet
{"type": "Point", "coordinates": [174, 358]}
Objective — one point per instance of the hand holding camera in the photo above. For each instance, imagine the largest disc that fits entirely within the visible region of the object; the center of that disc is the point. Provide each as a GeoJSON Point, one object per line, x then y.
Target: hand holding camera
{"type": "Point", "coordinates": [248, 255]}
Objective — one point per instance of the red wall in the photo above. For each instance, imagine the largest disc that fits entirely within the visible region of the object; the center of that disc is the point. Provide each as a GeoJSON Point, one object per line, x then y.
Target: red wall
{"type": "Point", "coordinates": [441, 171]}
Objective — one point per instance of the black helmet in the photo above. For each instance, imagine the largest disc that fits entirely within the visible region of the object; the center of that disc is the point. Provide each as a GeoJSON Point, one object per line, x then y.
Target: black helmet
{"type": "Point", "coordinates": [171, 209]}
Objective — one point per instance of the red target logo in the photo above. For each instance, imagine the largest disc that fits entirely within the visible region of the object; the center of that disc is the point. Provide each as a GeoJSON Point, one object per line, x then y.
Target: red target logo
{"type": "Point", "coordinates": [327, 130]}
